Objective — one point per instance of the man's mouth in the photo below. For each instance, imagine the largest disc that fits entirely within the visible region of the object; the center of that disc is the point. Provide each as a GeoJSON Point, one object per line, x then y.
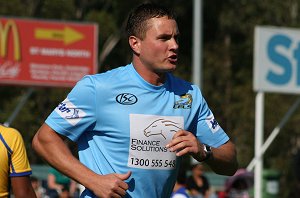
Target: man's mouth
{"type": "Point", "coordinates": [173, 58]}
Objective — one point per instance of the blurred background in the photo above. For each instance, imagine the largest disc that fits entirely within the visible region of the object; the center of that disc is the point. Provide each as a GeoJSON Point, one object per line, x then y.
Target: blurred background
{"type": "Point", "coordinates": [227, 71]}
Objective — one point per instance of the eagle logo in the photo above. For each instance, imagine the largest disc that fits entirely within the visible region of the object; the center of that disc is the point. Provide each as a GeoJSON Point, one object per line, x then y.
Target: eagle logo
{"type": "Point", "coordinates": [185, 102]}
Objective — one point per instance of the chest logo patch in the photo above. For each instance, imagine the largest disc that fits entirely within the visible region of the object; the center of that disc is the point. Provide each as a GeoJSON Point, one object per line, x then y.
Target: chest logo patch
{"type": "Point", "coordinates": [126, 99]}
{"type": "Point", "coordinates": [185, 102]}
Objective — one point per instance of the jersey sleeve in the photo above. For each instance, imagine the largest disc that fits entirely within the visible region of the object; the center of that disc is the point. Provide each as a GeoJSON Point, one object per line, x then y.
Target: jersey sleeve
{"type": "Point", "coordinates": [208, 130]}
{"type": "Point", "coordinates": [19, 165]}
{"type": "Point", "coordinates": [76, 113]}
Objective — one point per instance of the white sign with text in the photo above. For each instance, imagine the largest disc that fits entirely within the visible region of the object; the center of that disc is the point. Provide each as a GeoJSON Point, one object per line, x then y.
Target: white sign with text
{"type": "Point", "coordinates": [277, 59]}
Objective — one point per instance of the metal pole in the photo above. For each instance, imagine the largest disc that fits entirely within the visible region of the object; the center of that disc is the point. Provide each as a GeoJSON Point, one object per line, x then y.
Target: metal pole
{"type": "Point", "coordinates": [197, 43]}
{"type": "Point", "coordinates": [19, 106]}
{"type": "Point", "coordinates": [259, 126]}
{"type": "Point", "coordinates": [274, 133]}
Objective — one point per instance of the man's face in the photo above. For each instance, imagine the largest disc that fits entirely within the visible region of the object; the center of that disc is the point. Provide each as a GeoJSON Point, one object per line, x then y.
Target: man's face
{"type": "Point", "coordinates": [159, 49]}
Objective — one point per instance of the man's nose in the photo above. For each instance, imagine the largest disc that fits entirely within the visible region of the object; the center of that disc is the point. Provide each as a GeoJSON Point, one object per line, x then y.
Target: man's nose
{"type": "Point", "coordinates": [174, 44]}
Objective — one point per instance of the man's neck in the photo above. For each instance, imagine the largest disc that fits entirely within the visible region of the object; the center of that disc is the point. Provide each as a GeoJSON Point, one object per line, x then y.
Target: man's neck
{"type": "Point", "coordinates": [152, 77]}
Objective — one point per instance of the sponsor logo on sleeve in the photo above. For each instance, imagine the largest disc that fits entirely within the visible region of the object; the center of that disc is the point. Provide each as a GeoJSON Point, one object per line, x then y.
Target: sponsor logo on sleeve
{"type": "Point", "coordinates": [212, 123]}
{"type": "Point", "coordinates": [70, 112]}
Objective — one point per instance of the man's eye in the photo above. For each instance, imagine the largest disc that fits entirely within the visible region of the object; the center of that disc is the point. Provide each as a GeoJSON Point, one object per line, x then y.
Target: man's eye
{"type": "Point", "coordinates": [164, 39]}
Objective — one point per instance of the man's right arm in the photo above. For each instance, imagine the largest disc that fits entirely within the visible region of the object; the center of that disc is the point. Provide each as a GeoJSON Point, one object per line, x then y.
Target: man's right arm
{"type": "Point", "coordinates": [50, 145]}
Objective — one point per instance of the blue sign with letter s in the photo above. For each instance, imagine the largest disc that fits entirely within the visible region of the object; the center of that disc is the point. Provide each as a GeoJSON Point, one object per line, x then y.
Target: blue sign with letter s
{"type": "Point", "coordinates": [282, 60]}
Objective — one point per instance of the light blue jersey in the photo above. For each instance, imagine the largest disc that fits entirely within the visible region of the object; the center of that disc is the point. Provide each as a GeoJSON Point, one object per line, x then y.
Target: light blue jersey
{"type": "Point", "coordinates": [122, 123]}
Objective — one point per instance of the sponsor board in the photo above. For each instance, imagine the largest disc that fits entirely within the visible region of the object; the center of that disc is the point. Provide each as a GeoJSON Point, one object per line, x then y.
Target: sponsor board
{"type": "Point", "coordinates": [46, 53]}
{"type": "Point", "coordinates": [277, 59]}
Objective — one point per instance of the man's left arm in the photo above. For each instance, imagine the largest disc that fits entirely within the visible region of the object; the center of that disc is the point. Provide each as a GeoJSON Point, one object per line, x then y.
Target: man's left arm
{"type": "Point", "coordinates": [222, 160]}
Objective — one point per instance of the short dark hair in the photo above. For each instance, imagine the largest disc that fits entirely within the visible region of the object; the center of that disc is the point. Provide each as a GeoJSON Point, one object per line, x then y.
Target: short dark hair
{"type": "Point", "coordinates": [137, 19]}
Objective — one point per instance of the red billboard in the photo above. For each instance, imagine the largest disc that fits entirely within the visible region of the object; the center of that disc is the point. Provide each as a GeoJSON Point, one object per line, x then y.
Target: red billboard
{"type": "Point", "coordinates": [46, 53]}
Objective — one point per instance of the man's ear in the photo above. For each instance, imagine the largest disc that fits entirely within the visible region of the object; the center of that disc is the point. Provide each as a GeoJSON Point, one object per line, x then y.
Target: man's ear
{"type": "Point", "coordinates": [134, 43]}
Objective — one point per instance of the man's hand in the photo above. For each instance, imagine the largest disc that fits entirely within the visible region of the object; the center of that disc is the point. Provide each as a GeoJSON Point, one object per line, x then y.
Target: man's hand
{"type": "Point", "coordinates": [184, 142]}
{"type": "Point", "coordinates": [51, 146]}
{"type": "Point", "coordinates": [111, 185]}
{"type": "Point", "coordinates": [223, 162]}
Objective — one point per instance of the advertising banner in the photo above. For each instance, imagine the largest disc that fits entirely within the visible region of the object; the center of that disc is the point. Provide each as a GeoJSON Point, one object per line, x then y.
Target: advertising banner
{"type": "Point", "coordinates": [277, 59]}
{"type": "Point", "coordinates": [46, 53]}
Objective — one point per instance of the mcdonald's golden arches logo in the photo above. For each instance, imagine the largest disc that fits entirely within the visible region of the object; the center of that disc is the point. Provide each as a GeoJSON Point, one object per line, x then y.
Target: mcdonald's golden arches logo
{"type": "Point", "coordinates": [5, 29]}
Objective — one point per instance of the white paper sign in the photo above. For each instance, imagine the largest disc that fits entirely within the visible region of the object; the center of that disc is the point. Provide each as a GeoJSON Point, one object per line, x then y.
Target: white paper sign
{"type": "Point", "coordinates": [149, 135]}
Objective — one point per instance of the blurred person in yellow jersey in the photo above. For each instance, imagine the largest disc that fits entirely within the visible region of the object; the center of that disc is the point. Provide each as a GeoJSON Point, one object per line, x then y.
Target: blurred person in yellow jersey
{"type": "Point", "coordinates": [15, 170]}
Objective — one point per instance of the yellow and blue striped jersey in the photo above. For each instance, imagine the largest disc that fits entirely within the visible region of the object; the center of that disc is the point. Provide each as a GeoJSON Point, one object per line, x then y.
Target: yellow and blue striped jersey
{"type": "Point", "coordinates": [13, 158]}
